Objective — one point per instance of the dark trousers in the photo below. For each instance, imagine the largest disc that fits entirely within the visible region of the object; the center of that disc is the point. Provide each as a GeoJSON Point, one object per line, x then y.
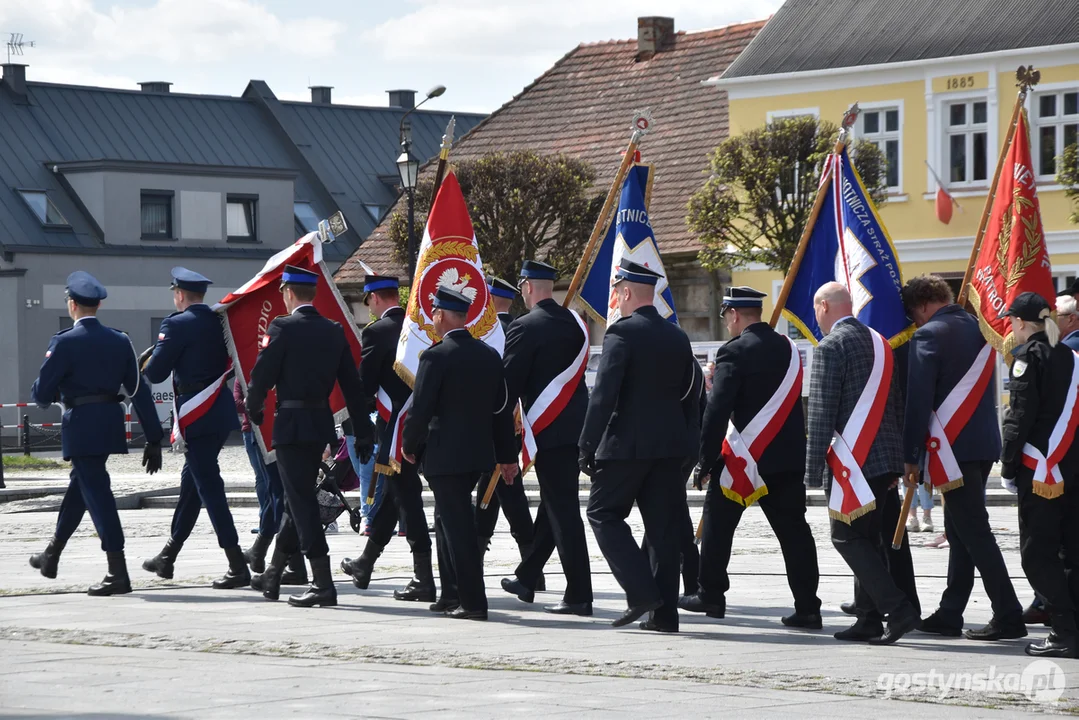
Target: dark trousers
{"type": "Point", "coordinates": [268, 488]}
{"type": "Point", "coordinates": [971, 545]}
{"type": "Point", "coordinates": [201, 484]}
{"type": "Point", "coordinates": [460, 570]}
{"type": "Point", "coordinates": [785, 508]}
{"type": "Point", "coordinates": [90, 489]}
{"type": "Point", "coordinates": [900, 562]}
{"type": "Point", "coordinates": [559, 525]}
{"type": "Point", "coordinates": [301, 527]}
{"type": "Point", "coordinates": [514, 504]}
{"type": "Point", "coordinates": [404, 492]}
{"type": "Point", "coordinates": [1047, 529]}
{"type": "Point", "coordinates": [861, 545]}
{"type": "Point", "coordinates": [691, 556]}
{"type": "Point", "coordinates": [654, 485]}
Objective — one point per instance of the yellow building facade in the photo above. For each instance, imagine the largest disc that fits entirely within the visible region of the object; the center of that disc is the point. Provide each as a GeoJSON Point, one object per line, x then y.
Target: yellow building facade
{"type": "Point", "coordinates": [940, 117]}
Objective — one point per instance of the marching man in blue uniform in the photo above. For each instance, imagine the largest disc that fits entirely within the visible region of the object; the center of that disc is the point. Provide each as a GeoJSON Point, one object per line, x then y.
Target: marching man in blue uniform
{"type": "Point", "coordinates": [85, 368]}
{"type": "Point", "coordinates": [191, 346]}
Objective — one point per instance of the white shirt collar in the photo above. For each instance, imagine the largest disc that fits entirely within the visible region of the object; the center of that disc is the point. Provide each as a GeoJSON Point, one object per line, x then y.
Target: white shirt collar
{"type": "Point", "coordinates": [297, 308]}
{"type": "Point", "coordinates": [84, 317]}
{"type": "Point", "coordinates": [388, 311]}
{"type": "Point", "coordinates": [455, 330]}
{"type": "Point", "coordinates": [845, 317]}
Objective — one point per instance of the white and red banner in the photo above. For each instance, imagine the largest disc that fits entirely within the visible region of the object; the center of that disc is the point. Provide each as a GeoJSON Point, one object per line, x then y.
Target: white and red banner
{"type": "Point", "coordinates": [196, 406]}
{"type": "Point", "coordinates": [740, 480]}
{"type": "Point", "coordinates": [951, 417]}
{"type": "Point", "coordinates": [248, 311]}
{"type": "Point", "coordinates": [1048, 480]}
{"type": "Point", "coordinates": [851, 495]}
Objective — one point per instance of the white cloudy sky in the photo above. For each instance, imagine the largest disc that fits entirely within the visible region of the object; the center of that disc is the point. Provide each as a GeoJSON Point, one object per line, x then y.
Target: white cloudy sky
{"type": "Point", "coordinates": [484, 51]}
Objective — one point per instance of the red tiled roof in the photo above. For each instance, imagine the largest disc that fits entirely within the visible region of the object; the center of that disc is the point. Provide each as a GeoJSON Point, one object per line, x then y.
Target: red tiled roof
{"type": "Point", "coordinates": [583, 106]}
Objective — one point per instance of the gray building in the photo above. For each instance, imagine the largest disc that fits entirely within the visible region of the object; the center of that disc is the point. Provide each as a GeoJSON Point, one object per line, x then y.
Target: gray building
{"type": "Point", "coordinates": [127, 184]}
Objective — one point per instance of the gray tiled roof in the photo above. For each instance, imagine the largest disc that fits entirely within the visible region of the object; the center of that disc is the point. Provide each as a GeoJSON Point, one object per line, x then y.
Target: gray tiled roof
{"type": "Point", "coordinates": [817, 34]}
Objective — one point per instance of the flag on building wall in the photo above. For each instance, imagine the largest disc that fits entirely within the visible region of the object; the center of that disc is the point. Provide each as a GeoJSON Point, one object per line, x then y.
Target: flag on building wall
{"type": "Point", "coordinates": [849, 244]}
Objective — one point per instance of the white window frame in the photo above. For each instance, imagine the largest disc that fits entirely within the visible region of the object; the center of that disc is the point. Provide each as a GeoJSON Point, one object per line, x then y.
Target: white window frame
{"type": "Point", "coordinates": [967, 131]}
{"type": "Point", "coordinates": [936, 123]}
{"type": "Point", "coordinates": [1063, 272]}
{"type": "Point", "coordinates": [883, 135]}
{"type": "Point", "coordinates": [1036, 122]}
{"type": "Point", "coordinates": [794, 112]}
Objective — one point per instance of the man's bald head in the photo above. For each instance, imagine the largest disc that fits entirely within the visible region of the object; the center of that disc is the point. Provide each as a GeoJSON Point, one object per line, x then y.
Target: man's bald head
{"type": "Point", "coordinates": [831, 302]}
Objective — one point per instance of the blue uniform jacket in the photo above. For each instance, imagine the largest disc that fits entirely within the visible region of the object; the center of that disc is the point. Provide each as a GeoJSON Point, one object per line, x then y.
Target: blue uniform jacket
{"type": "Point", "coordinates": [1072, 341]}
{"type": "Point", "coordinates": [941, 352]}
{"type": "Point", "coordinates": [91, 359]}
{"type": "Point", "coordinates": [191, 346]}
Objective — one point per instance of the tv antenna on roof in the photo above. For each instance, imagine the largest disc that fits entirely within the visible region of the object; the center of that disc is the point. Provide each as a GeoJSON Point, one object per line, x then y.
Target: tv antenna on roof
{"type": "Point", "coordinates": [15, 44]}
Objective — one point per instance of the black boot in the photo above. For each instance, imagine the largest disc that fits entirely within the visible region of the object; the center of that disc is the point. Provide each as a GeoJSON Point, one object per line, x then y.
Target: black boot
{"type": "Point", "coordinates": [117, 581]}
{"type": "Point", "coordinates": [322, 591]}
{"type": "Point", "coordinates": [238, 575]}
{"type": "Point", "coordinates": [47, 561]}
{"type": "Point", "coordinates": [361, 568]}
{"type": "Point", "coordinates": [422, 586]}
{"type": "Point", "coordinates": [297, 571]}
{"type": "Point", "coordinates": [269, 582]}
{"type": "Point", "coordinates": [163, 563]}
{"type": "Point", "coordinates": [256, 554]}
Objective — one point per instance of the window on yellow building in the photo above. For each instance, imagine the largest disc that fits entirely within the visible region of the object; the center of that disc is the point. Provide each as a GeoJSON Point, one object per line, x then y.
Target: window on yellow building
{"type": "Point", "coordinates": [880, 126]}
{"type": "Point", "coordinates": [967, 131]}
{"type": "Point", "coordinates": [1057, 122]}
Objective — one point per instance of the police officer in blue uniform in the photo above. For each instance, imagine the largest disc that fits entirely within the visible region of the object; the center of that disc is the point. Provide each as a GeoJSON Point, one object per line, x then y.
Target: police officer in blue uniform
{"type": "Point", "coordinates": [191, 347]}
{"type": "Point", "coordinates": [85, 367]}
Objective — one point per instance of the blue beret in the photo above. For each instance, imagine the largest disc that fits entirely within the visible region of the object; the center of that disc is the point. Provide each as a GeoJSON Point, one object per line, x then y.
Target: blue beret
{"type": "Point", "coordinates": [536, 270]}
{"type": "Point", "coordinates": [83, 288]}
{"type": "Point", "coordinates": [636, 273]}
{"type": "Point", "coordinates": [501, 288]}
{"type": "Point", "coordinates": [189, 280]}
{"type": "Point", "coordinates": [298, 276]}
{"type": "Point", "coordinates": [446, 299]}
{"type": "Point", "coordinates": [743, 297]}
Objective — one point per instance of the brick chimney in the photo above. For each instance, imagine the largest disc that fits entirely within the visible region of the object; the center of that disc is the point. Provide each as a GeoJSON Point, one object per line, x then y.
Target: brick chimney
{"type": "Point", "coordinates": [154, 86]}
{"type": "Point", "coordinates": [653, 34]}
{"type": "Point", "coordinates": [321, 94]}
{"type": "Point", "coordinates": [15, 79]}
{"type": "Point", "coordinates": [404, 99]}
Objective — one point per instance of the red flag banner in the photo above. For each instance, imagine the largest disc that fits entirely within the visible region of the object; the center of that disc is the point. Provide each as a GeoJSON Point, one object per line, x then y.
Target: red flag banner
{"type": "Point", "coordinates": [1013, 258]}
{"type": "Point", "coordinates": [246, 314]}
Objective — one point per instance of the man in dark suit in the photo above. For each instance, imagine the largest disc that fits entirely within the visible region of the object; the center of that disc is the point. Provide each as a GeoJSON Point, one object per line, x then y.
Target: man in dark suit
{"type": "Point", "coordinates": [757, 385]}
{"type": "Point", "coordinates": [191, 346]}
{"type": "Point", "coordinates": [947, 351]}
{"type": "Point", "coordinates": [304, 355]}
{"type": "Point", "coordinates": [540, 346]}
{"type": "Point", "coordinates": [510, 498]}
{"type": "Point", "coordinates": [84, 368]}
{"type": "Point", "coordinates": [636, 436]}
{"type": "Point", "coordinates": [842, 367]}
{"type": "Point", "coordinates": [403, 489]}
{"type": "Point", "coordinates": [462, 424]}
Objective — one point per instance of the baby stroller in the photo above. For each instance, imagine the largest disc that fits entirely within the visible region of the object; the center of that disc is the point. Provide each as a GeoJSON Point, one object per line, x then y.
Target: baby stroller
{"type": "Point", "coordinates": [334, 478]}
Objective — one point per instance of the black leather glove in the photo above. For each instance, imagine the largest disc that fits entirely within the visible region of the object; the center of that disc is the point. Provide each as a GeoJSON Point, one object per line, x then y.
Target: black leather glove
{"type": "Point", "coordinates": [364, 449]}
{"type": "Point", "coordinates": [256, 418]}
{"type": "Point", "coordinates": [698, 478]}
{"type": "Point", "coordinates": [145, 355]}
{"type": "Point", "coordinates": [151, 458]}
{"type": "Point", "coordinates": [587, 462]}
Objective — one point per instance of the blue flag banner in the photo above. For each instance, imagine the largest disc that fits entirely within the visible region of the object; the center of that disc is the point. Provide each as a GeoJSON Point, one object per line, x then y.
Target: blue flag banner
{"type": "Point", "coordinates": [849, 244]}
{"type": "Point", "coordinates": [629, 235]}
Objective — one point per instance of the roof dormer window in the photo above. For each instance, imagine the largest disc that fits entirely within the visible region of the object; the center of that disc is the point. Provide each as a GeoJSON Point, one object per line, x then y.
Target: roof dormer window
{"type": "Point", "coordinates": [42, 206]}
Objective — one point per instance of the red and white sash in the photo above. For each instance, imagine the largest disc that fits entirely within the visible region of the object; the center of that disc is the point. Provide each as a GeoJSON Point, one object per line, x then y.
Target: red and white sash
{"type": "Point", "coordinates": [197, 406]}
{"type": "Point", "coordinates": [383, 404]}
{"type": "Point", "coordinates": [1048, 480]}
{"type": "Point", "coordinates": [740, 480]}
{"type": "Point", "coordinates": [552, 400]}
{"type": "Point", "coordinates": [951, 417]}
{"type": "Point", "coordinates": [851, 495]}
{"type": "Point", "coordinates": [396, 455]}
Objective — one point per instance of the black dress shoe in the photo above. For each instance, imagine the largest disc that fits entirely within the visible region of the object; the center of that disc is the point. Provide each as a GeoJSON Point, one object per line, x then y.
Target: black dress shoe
{"type": "Point", "coordinates": [694, 603]}
{"type": "Point", "coordinates": [515, 587]}
{"type": "Point", "coordinates": [809, 621]}
{"type": "Point", "coordinates": [1036, 615]}
{"type": "Point", "coordinates": [935, 625]}
{"type": "Point", "coordinates": [998, 631]}
{"type": "Point", "coordinates": [459, 613]}
{"type": "Point", "coordinates": [443, 604]}
{"type": "Point", "coordinates": [900, 623]}
{"type": "Point", "coordinates": [657, 627]}
{"type": "Point", "coordinates": [1054, 646]}
{"type": "Point", "coordinates": [849, 608]}
{"type": "Point", "coordinates": [862, 630]}
{"type": "Point", "coordinates": [635, 612]}
{"type": "Point", "coordinates": [565, 608]}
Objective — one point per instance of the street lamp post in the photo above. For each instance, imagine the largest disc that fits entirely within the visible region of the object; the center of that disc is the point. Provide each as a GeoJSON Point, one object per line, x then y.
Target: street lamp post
{"type": "Point", "coordinates": [408, 168]}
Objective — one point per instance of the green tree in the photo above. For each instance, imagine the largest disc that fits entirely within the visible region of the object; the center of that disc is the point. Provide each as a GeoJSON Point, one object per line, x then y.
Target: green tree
{"type": "Point", "coordinates": [758, 199]}
{"type": "Point", "coordinates": [524, 206]}
{"type": "Point", "coordinates": [1068, 176]}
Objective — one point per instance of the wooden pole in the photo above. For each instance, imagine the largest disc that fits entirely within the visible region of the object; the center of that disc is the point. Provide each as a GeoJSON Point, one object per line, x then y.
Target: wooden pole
{"type": "Point", "coordinates": [443, 157]}
{"type": "Point", "coordinates": [901, 526]}
{"type": "Point", "coordinates": [987, 210]}
{"type": "Point", "coordinates": [490, 491]}
{"type": "Point", "coordinates": [700, 529]}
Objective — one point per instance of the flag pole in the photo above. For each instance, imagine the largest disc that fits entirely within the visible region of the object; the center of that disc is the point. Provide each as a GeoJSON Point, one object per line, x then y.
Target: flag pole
{"type": "Point", "coordinates": [1027, 78]}
{"type": "Point", "coordinates": [848, 119]}
{"type": "Point", "coordinates": [443, 156]}
{"type": "Point", "coordinates": [641, 126]}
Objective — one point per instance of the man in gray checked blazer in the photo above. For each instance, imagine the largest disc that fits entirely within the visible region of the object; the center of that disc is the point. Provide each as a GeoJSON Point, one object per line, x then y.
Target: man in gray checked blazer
{"type": "Point", "coordinates": [841, 367]}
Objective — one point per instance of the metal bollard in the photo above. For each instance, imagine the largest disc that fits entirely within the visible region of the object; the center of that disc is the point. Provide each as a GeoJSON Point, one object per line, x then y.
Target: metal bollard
{"type": "Point", "coordinates": [26, 435]}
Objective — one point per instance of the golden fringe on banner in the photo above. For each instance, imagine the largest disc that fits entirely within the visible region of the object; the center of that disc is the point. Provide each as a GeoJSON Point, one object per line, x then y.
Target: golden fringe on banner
{"type": "Point", "coordinates": [752, 498]}
{"type": "Point", "coordinates": [848, 519]}
{"type": "Point", "coordinates": [384, 469]}
{"type": "Point", "coordinates": [1048, 491]}
{"type": "Point", "coordinates": [950, 485]}
{"type": "Point", "coordinates": [1003, 345]}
